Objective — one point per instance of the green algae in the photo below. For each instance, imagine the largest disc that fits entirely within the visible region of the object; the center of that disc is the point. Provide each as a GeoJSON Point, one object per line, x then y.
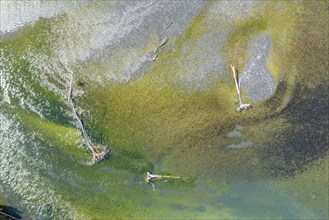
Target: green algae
{"type": "Point", "coordinates": [279, 20]}
{"type": "Point", "coordinates": [17, 52]}
{"type": "Point", "coordinates": [64, 137]}
{"type": "Point", "coordinates": [33, 38]}
{"type": "Point", "coordinates": [119, 194]}
{"type": "Point", "coordinates": [309, 186]}
{"type": "Point", "coordinates": [67, 138]}
{"type": "Point", "coordinates": [308, 109]}
{"type": "Point", "coordinates": [153, 124]}
{"type": "Point", "coordinates": [159, 118]}
{"type": "Point", "coordinates": [3, 201]}
{"type": "Point", "coordinates": [125, 200]}
{"type": "Point", "coordinates": [196, 30]}
{"type": "Point", "coordinates": [238, 40]}
{"type": "Point", "coordinates": [156, 104]}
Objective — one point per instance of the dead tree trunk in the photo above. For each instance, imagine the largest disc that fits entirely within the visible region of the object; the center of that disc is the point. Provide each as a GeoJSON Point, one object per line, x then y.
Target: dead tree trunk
{"type": "Point", "coordinates": [98, 154]}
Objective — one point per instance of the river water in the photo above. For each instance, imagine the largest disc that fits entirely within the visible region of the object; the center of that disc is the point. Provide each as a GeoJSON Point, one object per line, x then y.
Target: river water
{"type": "Point", "coordinates": [175, 115]}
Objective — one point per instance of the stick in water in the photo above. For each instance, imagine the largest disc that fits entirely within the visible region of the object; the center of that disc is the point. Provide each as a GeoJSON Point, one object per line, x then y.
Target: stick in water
{"type": "Point", "coordinates": [238, 84]}
{"type": "Point", "coordinates": [150, 178]}
{"type": "Point", "coordinates": [156, 53]}
{"type": "Point", "coordinates": [97, 156]}
{"type": "Point", "coordinates": [163, 42]}
{"type": "Point", "coordinates": [168, 25]}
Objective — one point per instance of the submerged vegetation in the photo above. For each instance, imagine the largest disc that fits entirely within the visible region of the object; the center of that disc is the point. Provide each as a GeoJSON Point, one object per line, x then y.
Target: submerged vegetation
{"type": "Point", "coordinates": [157, 124]}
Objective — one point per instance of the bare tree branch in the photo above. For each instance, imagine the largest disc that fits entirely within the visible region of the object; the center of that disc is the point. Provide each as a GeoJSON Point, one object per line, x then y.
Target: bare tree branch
{"type": "Point", "coordinates": [97, 155]}
{"type": "Point", "coordinates": [156, 53]}
{"type": "Point", "coordinates": [237, 81]}
{"type": "Point", "coordinates": [163, 42]}
{"type": "Point", "coordinates": [153, 177]}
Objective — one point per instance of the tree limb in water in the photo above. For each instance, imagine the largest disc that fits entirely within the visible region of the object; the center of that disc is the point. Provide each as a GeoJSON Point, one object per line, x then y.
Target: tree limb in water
{"type": "Point", "coordinates": [151, 178]}
{"type": "Point", "coordinates": [98, 155]}
{"type": "Point", "coordinates": [237, 81]}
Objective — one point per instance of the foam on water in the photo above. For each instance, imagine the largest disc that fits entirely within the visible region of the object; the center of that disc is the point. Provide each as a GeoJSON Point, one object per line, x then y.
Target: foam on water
{"type": "Point", "coordinates": [22, 167]}
{"type": "Point", "coordinates": [14, 87]}
{"type": "Point", "coordinates": [83, 32]}
{"type": "Point", "coordinates": [107, 42]}
{"type": "Point", "coordinates": [257, 79]}
{"type": "Point", "coordinates": [111, 28]}
{"type": "Point", "coordinates": [16, 14]}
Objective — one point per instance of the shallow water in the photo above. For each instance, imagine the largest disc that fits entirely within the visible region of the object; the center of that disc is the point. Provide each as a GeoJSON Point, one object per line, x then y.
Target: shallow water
{"type": "Point", "coordinates": [176, 115]}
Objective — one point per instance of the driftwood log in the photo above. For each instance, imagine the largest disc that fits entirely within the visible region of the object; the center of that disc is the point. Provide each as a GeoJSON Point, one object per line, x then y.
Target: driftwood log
{"type": "Point", "coordinates": [98, 154]}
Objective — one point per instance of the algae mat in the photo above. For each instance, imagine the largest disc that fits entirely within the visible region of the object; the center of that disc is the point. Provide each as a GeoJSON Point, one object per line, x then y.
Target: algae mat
{"type": "Point", "coordinates": [152, 80]}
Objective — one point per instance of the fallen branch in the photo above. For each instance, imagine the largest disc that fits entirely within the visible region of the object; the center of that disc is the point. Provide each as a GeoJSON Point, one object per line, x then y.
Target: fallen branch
{"type": "Point", "coordinates": [155, 54]}
{"type": "Point", "coordinates": [98, 154]}
{"type": "Point", "coordinates": [150, 178]}
{"type": "Point", "coordinates": [166, 27]}
{"type": "Point", "coordinates": [238, 84]}
{"type": "Point", "coordinates": [157, 50]}
{"type": "Point", "coordinates": [153, 177]}
{"type": "Point", "coordinates": [163, 42]}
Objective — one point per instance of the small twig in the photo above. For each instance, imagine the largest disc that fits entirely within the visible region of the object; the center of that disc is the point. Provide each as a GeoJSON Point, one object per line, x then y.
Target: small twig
{"type": "Point", "coordinates": [237, 81]}
{"type": "Point", "coordinates": [70, 89]}
{"type": "Point", "coordinates": [168, 25]}
{"type": "Point", "coordinates": [237, 84]}
{"type": "Point", "coordinates": [156, 53]}
{"type": "Point", "coordinates": [163, 42]}
{"type": "Point", "coordinates": [153, 186]}
{"type": "Point", "coordinates": [157, 50]}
